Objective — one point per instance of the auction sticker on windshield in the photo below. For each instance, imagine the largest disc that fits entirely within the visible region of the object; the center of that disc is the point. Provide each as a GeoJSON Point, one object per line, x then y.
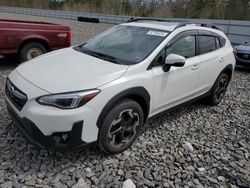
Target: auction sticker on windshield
{"type": "Point", "coordinates": [157, 33]}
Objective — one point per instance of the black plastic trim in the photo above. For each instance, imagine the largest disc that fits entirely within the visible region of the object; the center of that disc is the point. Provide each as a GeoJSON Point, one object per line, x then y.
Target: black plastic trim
{"type": "Point", "coordinates": [228, 67]}
{"type": "Point", "coordinates": [209, 25]}
{"type": "Point", "coordinates": [15, 95]}
{"type": "Point", "coordinates": [38, 139]}
{"type": "Point", "coordinates": [208, 33]}
{"type": "Point", "coordinates": [132, 19]}
{"type": "Point", "coordinates": [181, 105]}
{"type": "Point", "coordinates": [181, 35]}
{"type": "Point", "coordinates": [135, 91]}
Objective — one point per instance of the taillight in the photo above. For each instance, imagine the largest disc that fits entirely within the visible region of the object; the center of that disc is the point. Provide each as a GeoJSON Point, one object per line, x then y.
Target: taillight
{"type": "Point", "coordinates": [234, 51]}
{"type": "Point", "coordinates": [69, 37]}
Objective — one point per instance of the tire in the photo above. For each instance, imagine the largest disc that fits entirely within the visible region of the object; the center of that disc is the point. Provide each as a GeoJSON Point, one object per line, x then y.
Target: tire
{"type": "Point", "coordinates": [31, 50]}
{"type": "Point", "coordinates": [218, 90]}
{"type": "Point", "coordinates": [126, 119]}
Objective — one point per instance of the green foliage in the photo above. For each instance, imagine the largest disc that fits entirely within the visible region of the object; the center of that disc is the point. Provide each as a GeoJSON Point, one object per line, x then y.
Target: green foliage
{"type": "Point", "coordinates": [213, 9]}
{"type": "Point", "coordinates": [56, 5]}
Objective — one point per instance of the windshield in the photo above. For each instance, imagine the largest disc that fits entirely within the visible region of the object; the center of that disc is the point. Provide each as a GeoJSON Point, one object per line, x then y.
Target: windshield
{"type": "Point", "coordinates": [124, 44]}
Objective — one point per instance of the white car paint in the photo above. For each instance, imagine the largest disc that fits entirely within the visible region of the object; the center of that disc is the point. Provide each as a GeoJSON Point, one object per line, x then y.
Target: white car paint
{"type": "Point", "coordinates": [68, 70]}
{"type": "Point", "coordinates": [81, 67]}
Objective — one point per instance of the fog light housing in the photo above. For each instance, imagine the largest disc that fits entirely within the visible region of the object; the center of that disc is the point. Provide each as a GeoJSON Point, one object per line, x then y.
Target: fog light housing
{"type": "Point", "coordinates": [61, 138]}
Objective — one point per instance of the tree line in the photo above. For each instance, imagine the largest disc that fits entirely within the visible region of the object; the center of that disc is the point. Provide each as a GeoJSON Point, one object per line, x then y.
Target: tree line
{"type": "Point", "coordinates": [211, 9]}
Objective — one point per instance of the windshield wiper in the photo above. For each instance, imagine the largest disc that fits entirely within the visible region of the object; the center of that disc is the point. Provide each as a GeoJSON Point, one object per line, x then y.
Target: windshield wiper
{"type": "Point", "coordinates": [108, 58]}
{"type": "Point", "coordinates": [100, 55]}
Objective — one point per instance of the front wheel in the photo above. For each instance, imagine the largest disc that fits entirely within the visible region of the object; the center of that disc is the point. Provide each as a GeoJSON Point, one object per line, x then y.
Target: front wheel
{"type": "Point", "coordinates": [121, 126]}
{"type": "Point", "coordinates": [218, 90]}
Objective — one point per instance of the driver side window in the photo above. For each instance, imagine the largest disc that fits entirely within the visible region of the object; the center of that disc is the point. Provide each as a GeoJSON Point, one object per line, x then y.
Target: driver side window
{"type": "Point", "coordinates": [184, 47]}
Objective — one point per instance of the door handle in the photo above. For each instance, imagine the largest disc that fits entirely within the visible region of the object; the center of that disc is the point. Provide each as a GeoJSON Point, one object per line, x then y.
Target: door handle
{"type": "Point", "coordinates": [194, 67]}
{"type": "Point", "coordinates": [221, 60]}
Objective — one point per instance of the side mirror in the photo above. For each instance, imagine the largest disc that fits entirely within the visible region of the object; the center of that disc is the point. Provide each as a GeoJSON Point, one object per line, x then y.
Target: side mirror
{"type": "Point", "coordinates": [173, 60]}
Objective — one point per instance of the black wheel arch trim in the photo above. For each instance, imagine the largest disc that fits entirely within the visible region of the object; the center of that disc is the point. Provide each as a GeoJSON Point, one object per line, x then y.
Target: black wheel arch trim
{"type": "Point", "coordinates": [133, 93]}
{"type": "Point", "coordinates": [226, 69]}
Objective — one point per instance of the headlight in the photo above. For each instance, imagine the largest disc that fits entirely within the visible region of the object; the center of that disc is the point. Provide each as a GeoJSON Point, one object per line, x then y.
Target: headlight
{"type": "Point", "coordinates": [68, 100]}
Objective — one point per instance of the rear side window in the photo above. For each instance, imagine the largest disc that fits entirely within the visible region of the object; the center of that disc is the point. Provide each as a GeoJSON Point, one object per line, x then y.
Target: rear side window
{"type": "Point", "coordinates": [222, 41]}
{"type": "Point", "coordinates": [207, 44]}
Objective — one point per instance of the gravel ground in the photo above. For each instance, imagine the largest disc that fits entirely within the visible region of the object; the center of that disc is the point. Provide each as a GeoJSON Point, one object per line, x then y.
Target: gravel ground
{"type": "Point", "coordinates": [195, 146]}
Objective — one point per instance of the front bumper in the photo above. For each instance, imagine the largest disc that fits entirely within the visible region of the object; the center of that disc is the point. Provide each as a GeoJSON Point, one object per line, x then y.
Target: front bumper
{"type": "Point", "coordinates": [42, 125]}
{"type": "Point", "coordinates": [240, 61]}
{"type": "Point", "coordinates": [51, 142]}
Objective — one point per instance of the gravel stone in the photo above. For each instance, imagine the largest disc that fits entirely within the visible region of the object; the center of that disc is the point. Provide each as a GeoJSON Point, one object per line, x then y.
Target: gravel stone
{"type": "Point", "coordinates": [157, 177]}
{"type": "Point", "coordinates": [147, 174]}
{"type": "Point", "coordinates": [95, 180]}
{"type": "Point", "coordinates": [201, 169]}
{"type": "Point", "coordinates": [212, 180]}
{"type": "Point", "coordinates": [157, 168]}
{"type": "Point", "coordinates": [191, 168]}
{"type": "Point", "coordinates": [16, 184]}
{"type": "Point", "coordinates": [128, 184]}
{"type": "Point", "coordinates": [188, 146]}
{"type": "Point", "coordinates": [89, 174]}
{"type": "Point", "coordinates": [160, 157]}
{"type": "Point", "coordinates": [88, 170]}
{"type": "Point", "coordinates": [28, 178]}
{"type": "Point", "coordinates": [81, 184]}
{"type": "Point", "coordinates": [1, 173]}
{"type": "Point", "coordinates": [221, 178]}
{"type": "Point", "coordinates": [7, 184]}
{"type": "Point", "coordinates": [30, 183]}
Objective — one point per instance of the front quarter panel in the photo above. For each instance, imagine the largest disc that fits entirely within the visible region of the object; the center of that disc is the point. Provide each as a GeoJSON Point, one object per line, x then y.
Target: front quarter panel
{"type": "Point", "coordinates": [131, 79]}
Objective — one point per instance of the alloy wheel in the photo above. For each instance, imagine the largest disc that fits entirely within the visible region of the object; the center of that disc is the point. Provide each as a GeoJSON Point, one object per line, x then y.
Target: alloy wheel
{"type": "Point", "coordinates": [221, 89]}
{"type": "Point", "coordinates": [124, 128]}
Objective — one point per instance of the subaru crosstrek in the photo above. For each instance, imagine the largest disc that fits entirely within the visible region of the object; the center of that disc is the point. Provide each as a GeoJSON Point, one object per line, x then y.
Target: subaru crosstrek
{"type": "Point", "coordinates": [105, 89]}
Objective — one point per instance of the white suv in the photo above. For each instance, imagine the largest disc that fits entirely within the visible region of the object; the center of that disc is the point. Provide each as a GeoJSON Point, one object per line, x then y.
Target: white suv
{"type": "Point", "coordinates": [104, 90]}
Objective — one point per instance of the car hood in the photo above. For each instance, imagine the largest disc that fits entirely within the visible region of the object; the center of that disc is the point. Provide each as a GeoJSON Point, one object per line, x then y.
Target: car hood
{"type": "Point", "coordinates": [245, 48]}
{"type": "Point", "coordinates": [69, 70]}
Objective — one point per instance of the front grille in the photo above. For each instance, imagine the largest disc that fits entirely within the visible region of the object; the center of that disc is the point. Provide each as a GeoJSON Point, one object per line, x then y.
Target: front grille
{"type": "Point", "coordinates": [16, 96]}
{"type": "Point", "coordinates": [243, 56]}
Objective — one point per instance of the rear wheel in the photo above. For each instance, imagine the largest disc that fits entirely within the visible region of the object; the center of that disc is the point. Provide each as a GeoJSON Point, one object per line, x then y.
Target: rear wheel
{"type": "Point", "coordinates": [121, 126]}
{"type": "Point", "coordinates": [31, 50]}
{"type": "Point", "coordinates": [218, 90]}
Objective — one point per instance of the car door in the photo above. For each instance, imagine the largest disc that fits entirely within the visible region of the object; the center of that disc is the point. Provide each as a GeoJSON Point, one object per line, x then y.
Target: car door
{"type": "Point", "coordinates": [179, 84]}
{"type": "Point", "coordinates": [212, 59]}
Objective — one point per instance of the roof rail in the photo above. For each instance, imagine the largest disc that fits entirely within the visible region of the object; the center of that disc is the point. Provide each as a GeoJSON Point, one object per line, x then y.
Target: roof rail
{"type": "Point", "coordinates": [148, 19]}
{"type": "Point", "coordinates": [179, 25]}
{"type": "Point", "coordinates": [199, 24]}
